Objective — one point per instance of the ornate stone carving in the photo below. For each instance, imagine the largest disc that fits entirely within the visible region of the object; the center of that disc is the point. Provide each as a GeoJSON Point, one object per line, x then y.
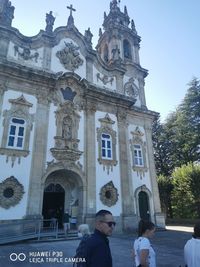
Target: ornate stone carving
{"type": "Point", "coordinates": [69, 57]}
{"type": "Point", "coordinates": [11, 192]}
{"type": "Point", "coordinates": [20, 109]}
{"type": "Point", "coordinates": [109, 194]}
{"type": "Point", "coordinates": [66, 142]}
{"type": "Point", "coordinates": [137, 139]}
{"type": "Point", "coordinates": [106, 128]}
{"type": "Point", "coordinates": [131, 89]}
{"type": "Point", "coordinates": [25, 53]}
{"type": "Point", "coordinates": [105, 79]}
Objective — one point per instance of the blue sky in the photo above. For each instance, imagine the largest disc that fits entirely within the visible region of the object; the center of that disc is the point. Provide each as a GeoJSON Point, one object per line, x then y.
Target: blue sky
{"type": "Point", "coordinates": [170, 32]}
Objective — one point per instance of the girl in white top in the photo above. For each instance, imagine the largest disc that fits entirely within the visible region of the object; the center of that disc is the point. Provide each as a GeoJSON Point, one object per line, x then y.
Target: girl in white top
{"type": "Point", "coordinates": [192, 248]}
{"type": "Point", "coordinates": [143, 251]}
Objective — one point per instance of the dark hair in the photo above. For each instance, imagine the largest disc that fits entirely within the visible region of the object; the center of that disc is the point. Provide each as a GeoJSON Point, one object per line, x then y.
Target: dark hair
{"type": "Point", "coordinates": [143, 226]}
{"type": "Point", "coordinates": [101, 214]}
{"type": "Point", "coordinates": [197, 230]}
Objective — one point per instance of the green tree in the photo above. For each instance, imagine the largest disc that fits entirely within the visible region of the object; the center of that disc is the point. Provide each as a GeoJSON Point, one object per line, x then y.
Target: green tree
{"type": "Point", "coordinates": [165, 187]}
{"type": "Point", "coordinates": [186, 191]}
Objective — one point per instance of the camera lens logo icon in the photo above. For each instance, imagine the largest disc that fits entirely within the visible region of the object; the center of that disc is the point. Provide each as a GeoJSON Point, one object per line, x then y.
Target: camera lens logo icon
{"type": "Point", "coordinates": [17, 257]}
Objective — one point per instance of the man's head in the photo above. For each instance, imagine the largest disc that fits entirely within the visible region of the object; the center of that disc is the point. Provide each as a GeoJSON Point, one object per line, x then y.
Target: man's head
{"type": "Point", "coordinates": [197, 230]}
{"type": "Point", "coordinates": [104, 222]}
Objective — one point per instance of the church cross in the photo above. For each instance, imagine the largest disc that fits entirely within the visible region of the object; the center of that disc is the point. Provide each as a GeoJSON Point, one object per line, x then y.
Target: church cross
{"type": "Point", "coordinates": [71, 9]}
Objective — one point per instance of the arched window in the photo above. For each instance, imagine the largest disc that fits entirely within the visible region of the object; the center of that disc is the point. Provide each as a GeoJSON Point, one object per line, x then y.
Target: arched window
{"type": "Point", "coordinates": [127, 49]}
{"type": "Point", "coordinates": [105, 53]}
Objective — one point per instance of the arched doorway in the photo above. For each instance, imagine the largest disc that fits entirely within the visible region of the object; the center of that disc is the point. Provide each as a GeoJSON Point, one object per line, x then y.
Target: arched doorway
{"type": "Point", "coordinates": [144, 205]}
{"type": "Point", "coordinates": [53, 202]}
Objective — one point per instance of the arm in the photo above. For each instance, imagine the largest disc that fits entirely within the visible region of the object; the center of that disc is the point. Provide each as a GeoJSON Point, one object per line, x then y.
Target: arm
{"type": "Point", "coordinates": [144, 254]}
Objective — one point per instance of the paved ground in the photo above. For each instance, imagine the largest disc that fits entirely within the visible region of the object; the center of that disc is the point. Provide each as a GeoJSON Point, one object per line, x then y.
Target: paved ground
{"type": "Point", "coordinates": [168, 245]}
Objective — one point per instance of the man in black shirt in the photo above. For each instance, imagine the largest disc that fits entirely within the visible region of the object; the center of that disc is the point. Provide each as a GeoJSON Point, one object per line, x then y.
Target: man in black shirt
{"type": "Point", "coordinates": [97, 248]}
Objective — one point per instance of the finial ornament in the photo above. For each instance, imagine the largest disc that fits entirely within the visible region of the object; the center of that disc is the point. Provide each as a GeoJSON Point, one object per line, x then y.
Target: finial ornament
{"type": "Point", "coordinates": [71, 9]}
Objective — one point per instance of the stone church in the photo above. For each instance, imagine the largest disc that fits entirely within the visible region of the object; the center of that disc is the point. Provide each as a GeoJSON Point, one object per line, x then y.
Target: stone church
{"type": "Point", "coordinates": [75, 131]}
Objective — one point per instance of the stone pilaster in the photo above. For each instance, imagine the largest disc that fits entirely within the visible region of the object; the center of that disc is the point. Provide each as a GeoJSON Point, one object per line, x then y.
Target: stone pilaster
{"type": "Point", "coordinates": [89, 69]}
{"type": "Point", "coordinates": [119, 84]}
{"type": "Point", "coordinates": [47, 58]}
{"type": "Point", "coordinates": [126, 184]}
{"type": "Point", "coordinates": [38, 158]}
{"type": "Point", "coordinates": [158, 216]}
{"type": "Point", "coordinates": [4, 43]}
{"type": "Point", "coordinates": [90, 159]}
{"type": "Point", "coordinates": [142, 93]}
{"type": "Point", "coordinates": [3, 88]}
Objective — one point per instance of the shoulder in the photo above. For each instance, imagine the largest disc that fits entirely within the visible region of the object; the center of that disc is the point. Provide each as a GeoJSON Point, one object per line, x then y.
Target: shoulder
{"type": "Point", "coordinates": [144, 243]}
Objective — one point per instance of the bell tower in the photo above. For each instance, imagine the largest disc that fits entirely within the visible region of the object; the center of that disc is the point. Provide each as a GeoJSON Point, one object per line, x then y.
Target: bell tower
{"type": "Point", "coordinates": [118, 42]}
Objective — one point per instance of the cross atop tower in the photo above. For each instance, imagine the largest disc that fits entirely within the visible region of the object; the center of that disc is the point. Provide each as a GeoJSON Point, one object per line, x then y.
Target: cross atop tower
{"type": "Point", "coordinates": [71, 9]}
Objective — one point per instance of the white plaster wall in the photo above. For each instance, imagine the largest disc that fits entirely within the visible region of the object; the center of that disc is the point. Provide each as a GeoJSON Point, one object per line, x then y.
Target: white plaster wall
{"type": "Point", "coordinates": [81, 137]}
{"type": "Point", "coordinates": [20, 171]}
{"type": "Point", "coordinates": [31, 62]}
{"type": "Point", "coordinates": [125, 80]}
{"type": "Point", "coordinates": [51, 132]}
{"type": "Point", "coordinates": [98, 82]}
{"type": "Point", "coordinates": [56, 66]}
{"type": "Point", "coordinates": [102, 177]}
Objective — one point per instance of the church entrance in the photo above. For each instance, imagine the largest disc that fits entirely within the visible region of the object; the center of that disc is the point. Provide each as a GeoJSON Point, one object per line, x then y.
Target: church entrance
{"type": "Point", "coordinates": [53, 203]}
{"type": "Point", "coordinates": [144, 205]}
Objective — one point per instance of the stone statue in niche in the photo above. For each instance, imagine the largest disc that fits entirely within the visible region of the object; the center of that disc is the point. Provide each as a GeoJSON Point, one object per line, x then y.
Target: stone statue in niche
{"type": "Point", "coordinates": [67, 128]}
{"type": "Point", "coordinates": [49, 21]}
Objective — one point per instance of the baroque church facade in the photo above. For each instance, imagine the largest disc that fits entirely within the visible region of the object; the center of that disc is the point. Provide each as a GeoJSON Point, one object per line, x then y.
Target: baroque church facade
{"type": "Point", "coordinates": [75, 131]}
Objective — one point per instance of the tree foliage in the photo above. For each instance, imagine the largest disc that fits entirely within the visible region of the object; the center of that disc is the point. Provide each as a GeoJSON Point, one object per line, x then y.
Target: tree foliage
{"type": "Point", "coordinates": [165, 189]}
{"type": "Point", "coordinates": [186, 191]}
{"type": "Point", "coordinates": [176, 142]}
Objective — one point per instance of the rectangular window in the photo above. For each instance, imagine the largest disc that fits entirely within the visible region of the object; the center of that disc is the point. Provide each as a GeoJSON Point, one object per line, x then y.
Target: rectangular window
{"type": "Point", "coordinates": [138, 158]}
{"type": "Point", "coordinates": [16, 133]}
{"type": "Point", "coordinates": [106, 146]}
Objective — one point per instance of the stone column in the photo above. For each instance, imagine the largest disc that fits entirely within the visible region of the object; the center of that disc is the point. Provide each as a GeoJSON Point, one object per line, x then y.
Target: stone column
{"type": "Point", "coordinates": [125, 175]}
{"type": "Point", "coordinates": [38, 158]}
{"type": "Point", "coordinates": [159, 217]}
{"type": "Point", "coordinates": [90, 162]}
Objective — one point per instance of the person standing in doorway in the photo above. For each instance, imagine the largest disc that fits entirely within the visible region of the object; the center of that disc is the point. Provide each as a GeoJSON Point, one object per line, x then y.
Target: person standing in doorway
{"type": "Point", "coordinates": [66, 222]}
{"type": "Point", "coordinates": [143, 252]}
{"type": "Point", "coordinates": [192, 248]}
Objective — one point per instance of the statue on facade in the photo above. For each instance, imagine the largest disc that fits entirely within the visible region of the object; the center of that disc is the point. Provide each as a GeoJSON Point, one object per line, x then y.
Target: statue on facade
{"type": "Point", "coordinates": [49, 21]}
{"type": "Point", "coordinates": [67, 128]}
{"type": "Point", "coordinates": [88, 36]}
{"type": "Point", "coordinates": [8, 14]}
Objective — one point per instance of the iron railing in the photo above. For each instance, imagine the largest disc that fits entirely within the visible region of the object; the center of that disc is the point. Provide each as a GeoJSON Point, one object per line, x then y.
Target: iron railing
{"type": "Point", "coordinates": [28, 229]}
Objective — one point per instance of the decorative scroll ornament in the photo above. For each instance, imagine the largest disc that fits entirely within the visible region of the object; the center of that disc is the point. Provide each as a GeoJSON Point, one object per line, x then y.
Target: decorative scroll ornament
{"type": "Point", "coordinates": [105, 79]}
{"type": "Point", "coordinates": [131, 89]}
{"type": "Point", "coordinates": [11, 192]}
{"type": "Point", "coordinates": [109, 194]}
{"type": "Point", "coordinates": [69, 57]}
{"type": "Point", "coordinates": [25, 53]}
